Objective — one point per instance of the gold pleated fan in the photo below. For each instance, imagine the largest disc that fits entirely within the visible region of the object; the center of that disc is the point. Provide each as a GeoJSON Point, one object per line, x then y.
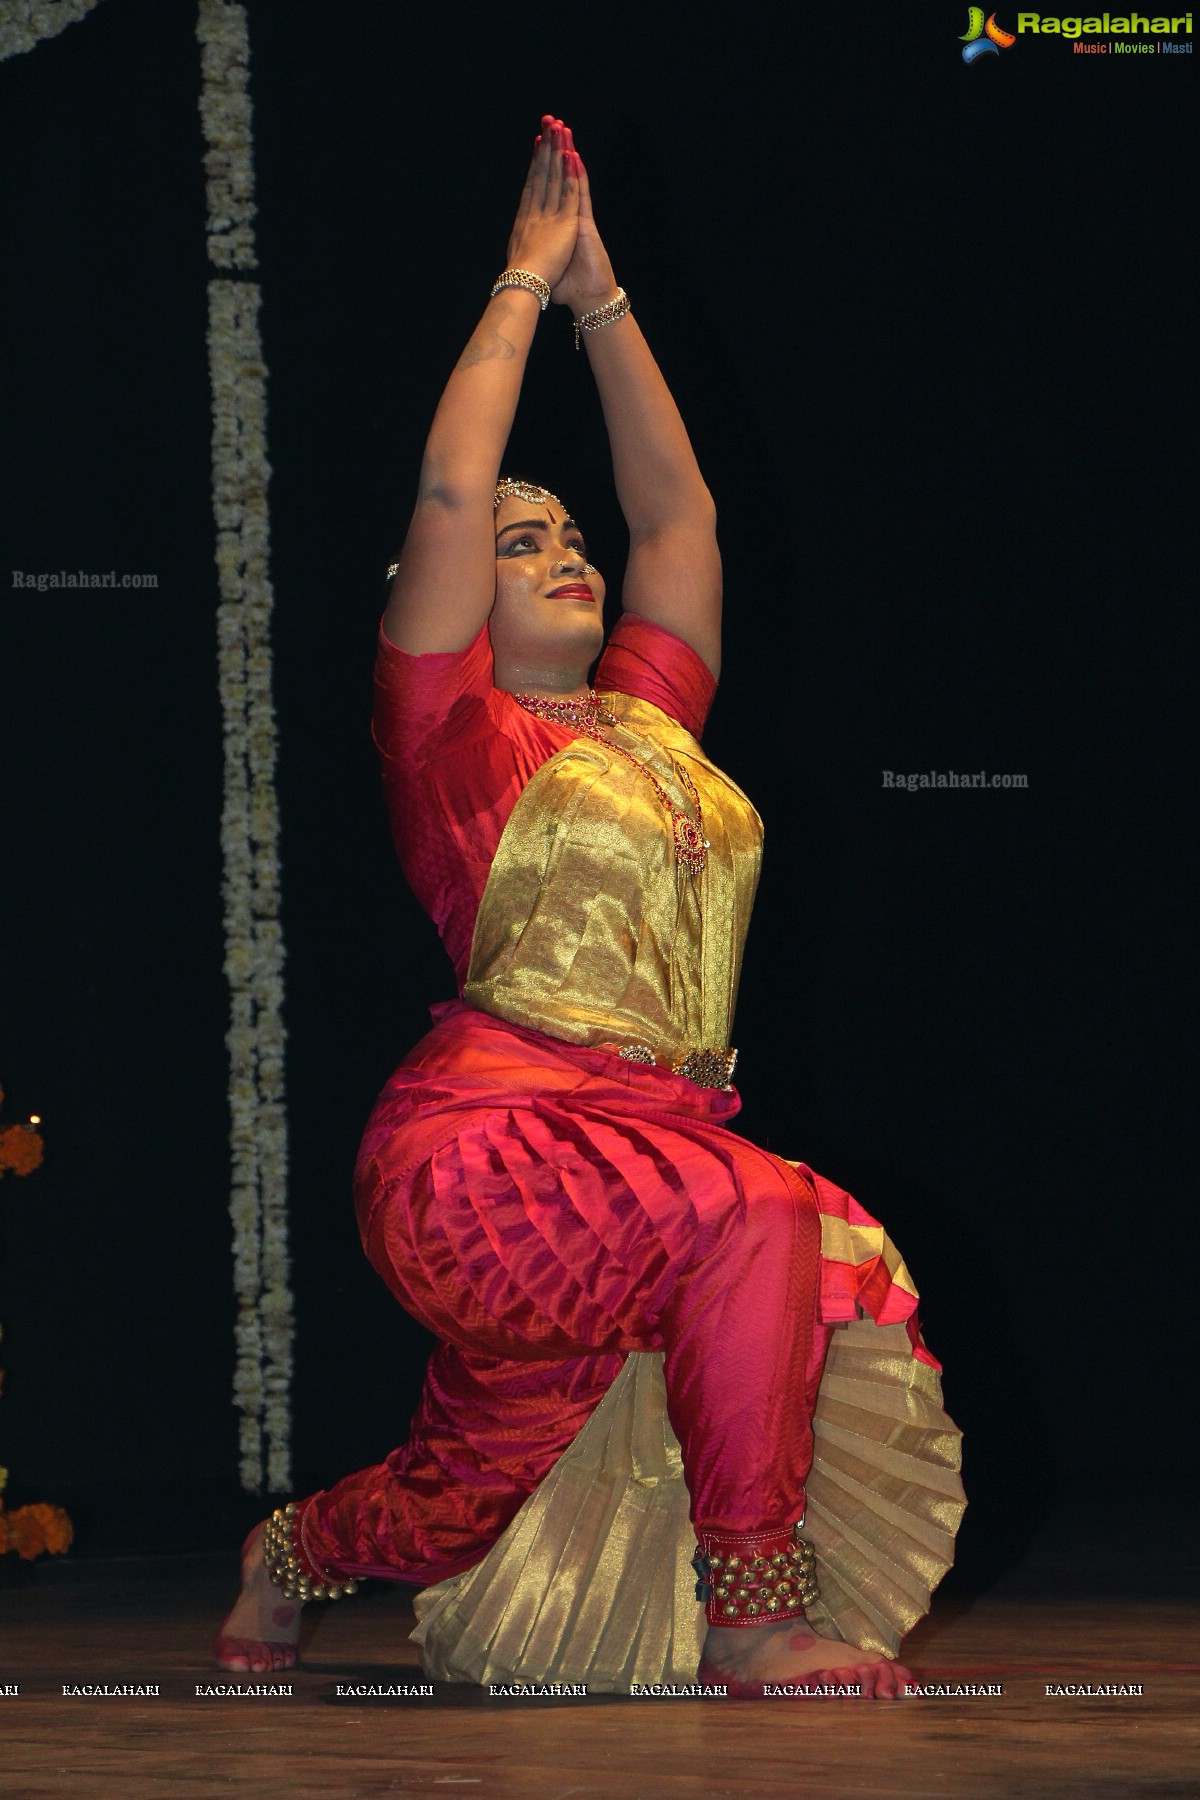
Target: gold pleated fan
{"type": "Point", "coordinates": [592, 1580]}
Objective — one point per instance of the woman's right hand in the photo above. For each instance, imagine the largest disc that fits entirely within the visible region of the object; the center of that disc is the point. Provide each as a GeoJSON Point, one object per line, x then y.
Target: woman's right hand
{"type": "Point", "coordinates": [547, 222]}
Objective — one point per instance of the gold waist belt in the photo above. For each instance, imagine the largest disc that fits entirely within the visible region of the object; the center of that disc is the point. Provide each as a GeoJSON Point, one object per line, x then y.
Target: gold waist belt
{"type": "Point", "coordinates": [706, 1068]}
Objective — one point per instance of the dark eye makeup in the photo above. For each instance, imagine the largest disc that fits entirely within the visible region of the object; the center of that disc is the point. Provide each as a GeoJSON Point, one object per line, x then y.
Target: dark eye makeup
{"type": "Point", "coordinates": [525, 541]}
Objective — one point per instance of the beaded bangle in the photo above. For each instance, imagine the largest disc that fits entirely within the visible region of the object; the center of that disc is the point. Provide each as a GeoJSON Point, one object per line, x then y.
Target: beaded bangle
{"type": "Point", "coordinates": [524, 278]}
{"type": "Point", "coordinates": [292, 1571]}
{"type": "Point", "coordinates": [608, 314]}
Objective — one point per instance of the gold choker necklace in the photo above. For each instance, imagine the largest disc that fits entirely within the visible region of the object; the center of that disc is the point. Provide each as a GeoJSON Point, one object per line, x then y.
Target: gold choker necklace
{"type": "Point", "coordinates": [586, 716]}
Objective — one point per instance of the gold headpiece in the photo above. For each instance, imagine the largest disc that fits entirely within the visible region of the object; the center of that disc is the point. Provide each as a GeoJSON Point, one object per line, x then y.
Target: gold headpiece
{"type": "Point", "coordinates": [524, 490]}
{"type": "Point", "coordinates": [521, 490]}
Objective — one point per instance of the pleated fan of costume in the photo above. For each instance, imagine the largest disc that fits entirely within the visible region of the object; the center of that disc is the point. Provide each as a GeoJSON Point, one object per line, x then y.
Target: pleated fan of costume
{"type": "Point", "coordinates": [592, 1580]}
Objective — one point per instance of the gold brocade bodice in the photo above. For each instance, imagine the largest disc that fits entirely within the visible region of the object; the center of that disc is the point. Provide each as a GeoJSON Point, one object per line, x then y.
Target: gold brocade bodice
{"type": "Point", "coordinates": [589, 929]}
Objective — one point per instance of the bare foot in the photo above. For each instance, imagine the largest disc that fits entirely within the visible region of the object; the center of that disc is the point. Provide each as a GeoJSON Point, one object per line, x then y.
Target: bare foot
{"type": "Point", "coordinates": [791, 1653]}
{"type": "Point", "coordinates": [263, 1630]}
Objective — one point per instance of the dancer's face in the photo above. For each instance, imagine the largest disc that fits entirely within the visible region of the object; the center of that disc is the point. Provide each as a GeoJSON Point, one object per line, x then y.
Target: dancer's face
{"type": "Point", "coordinates": [548, 612]}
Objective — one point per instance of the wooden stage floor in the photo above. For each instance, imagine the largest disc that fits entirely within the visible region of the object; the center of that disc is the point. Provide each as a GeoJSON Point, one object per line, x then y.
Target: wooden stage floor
{"type": "Point", "coordinates": [139, 1623]}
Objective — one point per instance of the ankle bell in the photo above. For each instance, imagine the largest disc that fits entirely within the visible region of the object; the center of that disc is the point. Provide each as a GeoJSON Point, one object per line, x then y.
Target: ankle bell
{"type": "Point", "coordinates": [755, 1577]}
{"type": "Point", "coordinates": [288, 1563]}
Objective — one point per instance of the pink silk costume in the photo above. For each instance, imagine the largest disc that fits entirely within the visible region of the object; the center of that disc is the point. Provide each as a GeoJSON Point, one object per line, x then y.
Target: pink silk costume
{"type": "Point", "coordinates": [543, 1205]}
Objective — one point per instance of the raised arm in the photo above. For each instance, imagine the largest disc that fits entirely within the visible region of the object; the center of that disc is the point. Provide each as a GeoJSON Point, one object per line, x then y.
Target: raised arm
{"type": "Point", "coordinates": [674, 571]}
{"type": "Point", "coordinates": [446, 580]}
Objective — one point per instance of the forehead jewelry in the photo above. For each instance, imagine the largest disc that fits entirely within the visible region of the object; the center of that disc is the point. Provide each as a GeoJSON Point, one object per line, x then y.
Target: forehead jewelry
{"type": "Point", "coordinates": [586, 716]}
{"type": "Point", "coordinates": [517, 490]}
{"type": "Point", "coordinates": [524, 490]}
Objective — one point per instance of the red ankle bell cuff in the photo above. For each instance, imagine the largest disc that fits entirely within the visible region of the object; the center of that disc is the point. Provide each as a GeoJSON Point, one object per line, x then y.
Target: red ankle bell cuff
{"type": "Point", "coordinates": [290, 1566]}
{"type": "Point", "coordinates": [754, 1577]}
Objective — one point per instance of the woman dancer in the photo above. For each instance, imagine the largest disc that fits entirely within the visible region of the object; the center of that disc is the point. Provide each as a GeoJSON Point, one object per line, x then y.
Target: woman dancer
{"type": "Point", "coordinates": [548, 1181]}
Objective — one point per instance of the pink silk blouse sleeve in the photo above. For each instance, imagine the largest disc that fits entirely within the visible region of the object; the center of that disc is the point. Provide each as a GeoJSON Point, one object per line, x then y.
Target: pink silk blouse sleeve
{"type": "Point", "coordinates": [451, 776]}
{"type": "Point", "coordinates": [651, 663]}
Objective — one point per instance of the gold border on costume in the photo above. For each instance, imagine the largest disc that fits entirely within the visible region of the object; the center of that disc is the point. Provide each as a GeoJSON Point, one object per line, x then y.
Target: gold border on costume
{"type": "Point", "coordinates": [593, 1581]}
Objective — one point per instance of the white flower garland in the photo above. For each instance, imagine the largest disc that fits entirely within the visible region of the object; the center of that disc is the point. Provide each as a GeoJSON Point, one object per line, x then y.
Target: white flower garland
{"type": "Point", "coordinates": [250, 817]}
{"type": "Point", "coordinates": [24, 23]}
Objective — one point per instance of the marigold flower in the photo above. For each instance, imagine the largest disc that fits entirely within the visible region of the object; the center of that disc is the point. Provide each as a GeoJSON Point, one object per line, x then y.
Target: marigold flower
{"type": "Point", "coordinates": [24, 1534]}
{"type": "Point", "coordinates": [57, 1528]}
{"type": "Point", "coordinates": [32, 1529]}
{"type": "Point", "coordinates": [21, 1149]}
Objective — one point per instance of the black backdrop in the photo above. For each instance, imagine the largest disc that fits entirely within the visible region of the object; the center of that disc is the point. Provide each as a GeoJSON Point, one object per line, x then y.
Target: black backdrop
{"type": "Point", "coordinates": [926, 323]}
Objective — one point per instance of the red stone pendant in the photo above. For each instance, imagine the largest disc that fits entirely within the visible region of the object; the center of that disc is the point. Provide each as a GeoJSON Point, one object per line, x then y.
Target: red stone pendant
{"type": "Point", "coordinates": [691, 850]}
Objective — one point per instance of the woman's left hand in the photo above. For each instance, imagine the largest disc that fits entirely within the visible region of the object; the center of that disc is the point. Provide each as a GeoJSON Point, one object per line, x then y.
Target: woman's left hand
{"type": "Point", "coordinates": [588, 280]}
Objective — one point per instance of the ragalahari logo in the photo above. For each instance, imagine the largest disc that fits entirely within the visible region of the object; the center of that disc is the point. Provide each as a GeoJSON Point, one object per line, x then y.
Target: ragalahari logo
{"type": "Point", "coordinates": [983, 38]}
